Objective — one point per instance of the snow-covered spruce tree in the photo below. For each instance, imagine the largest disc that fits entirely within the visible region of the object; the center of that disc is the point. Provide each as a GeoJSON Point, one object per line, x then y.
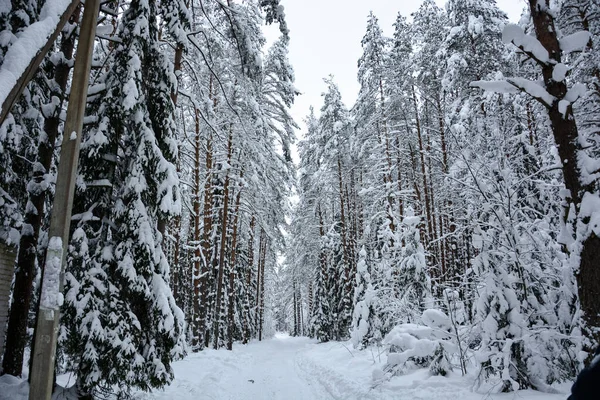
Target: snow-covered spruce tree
{"type": "Point", "coordinates": [322, 314]}
{"type": "Point", "coordinates": [366, 325]}
{"type": "Point", "coordinates": [123, 327]}
{"type": "Point", "coordinates": [473, 41]}
{"type": "Point", "coordinates": [411, 280]}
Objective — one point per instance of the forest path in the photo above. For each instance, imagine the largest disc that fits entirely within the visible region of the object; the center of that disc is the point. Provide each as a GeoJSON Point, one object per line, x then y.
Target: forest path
{"type": "Point", "coordinates": [272, 369]}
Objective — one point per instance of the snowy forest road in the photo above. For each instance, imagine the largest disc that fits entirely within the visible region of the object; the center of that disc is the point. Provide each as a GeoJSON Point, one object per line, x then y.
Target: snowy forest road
{"type": "Point", "coordinates": [261, 370]}
{"type": "Point", "coordinates": [279, 368]}
{"type": "Point", "coordinates": [288, 368]}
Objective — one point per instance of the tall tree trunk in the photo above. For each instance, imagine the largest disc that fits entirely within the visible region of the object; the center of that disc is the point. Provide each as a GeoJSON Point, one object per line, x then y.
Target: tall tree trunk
{"type": "Point", "coordinates": [310, 301]}
{"type": "Point", "coordinates": [198, 261]}
{"type": "Point", "coordinates": [201, 284]}
{"type": "Point", "coordinates": [399, 178]}
{"type": "Point", "coordinates": [176, 227]}
{"type": "Point", "coordinates": [295, 308]}
{"type": "Point", "coordinates": [360, 212]}
{"type": "Point", "coordinates": [223, 245]}
{"type": "Point", "coordinates": [175, 261]}
{"type": "Point", "coordinates": [260, 298]}
{"type": "Point", "coordinates": [300, 313]}
{"type": "Point", "coordinates": [299, 310]}
{"type": "Point", "coordinates": [232, 270]}
{"type": "Point", "coordinates": [442, 247]}
{"type": "Point", "coordinates": [348, 268]}
{"type": "Point", "coordinates": [419, 202]}
{"type": "Point", "coordinates": [258, 276]}
{"type": "Point", "coordinates": [350, 229]}
{"type": "Point", "coordinates": [435, 245]}
{"type": "Point", "coordinates": [16, 333]}
{"type": "Point", "coordinates": [570, 150]}
{"type": "Point", "coordinates": [426, 197]}
{"type": "Point", "coordinates": [443, 220]}
{"type": "Point", "coordinates": [533, 140]}
{"type": "Point", "coordinates": [388, 158]}
{"type": "Point", "coordinates": [247, 320]}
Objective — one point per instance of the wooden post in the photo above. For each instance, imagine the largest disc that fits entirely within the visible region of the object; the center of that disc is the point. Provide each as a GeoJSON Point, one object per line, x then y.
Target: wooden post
{"type": "Point", "coordinates": [46, 331]}
{"type": "Point", "coordinates": [7, 264]}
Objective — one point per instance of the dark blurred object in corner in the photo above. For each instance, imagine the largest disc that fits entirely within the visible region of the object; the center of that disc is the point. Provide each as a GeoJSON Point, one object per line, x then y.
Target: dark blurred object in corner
{"type": "Point", "coordinates": [587, 385]}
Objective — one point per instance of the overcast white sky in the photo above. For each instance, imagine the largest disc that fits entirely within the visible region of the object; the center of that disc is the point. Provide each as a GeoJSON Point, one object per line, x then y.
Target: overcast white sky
{"type": "Point", "coordinates": [325, 39]}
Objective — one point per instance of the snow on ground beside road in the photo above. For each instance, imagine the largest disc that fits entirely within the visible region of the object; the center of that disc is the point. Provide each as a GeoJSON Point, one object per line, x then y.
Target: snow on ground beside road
{"type": "Point", "coordinates": [286, 368]}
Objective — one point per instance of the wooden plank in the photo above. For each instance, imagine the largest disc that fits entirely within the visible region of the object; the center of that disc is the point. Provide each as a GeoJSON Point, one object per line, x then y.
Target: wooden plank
{"type": "Point", "coordinates": [7, 264]}
{"type": "Point", "coordinates": [46, 331]}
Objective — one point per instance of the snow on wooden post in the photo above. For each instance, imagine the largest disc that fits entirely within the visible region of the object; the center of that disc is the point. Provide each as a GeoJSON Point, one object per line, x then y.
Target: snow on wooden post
{"type": "Point", "coordinates": [7, 264]}
{"type": "Point", "coordinates": [46, 331]}
{"type": "Point", "coordinates": [24, 57]}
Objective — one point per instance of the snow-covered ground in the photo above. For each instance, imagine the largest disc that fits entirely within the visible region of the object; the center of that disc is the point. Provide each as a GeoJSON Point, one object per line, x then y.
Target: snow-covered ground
{"type": "Point", "coordinates": [286, 368]}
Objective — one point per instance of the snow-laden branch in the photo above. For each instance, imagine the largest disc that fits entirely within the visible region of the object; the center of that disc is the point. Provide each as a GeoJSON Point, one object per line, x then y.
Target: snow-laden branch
{"type": "Point", "coordinates": [528, 44]}
{"type": "Point", "coordinates": [574, 42]}
{"type": "Point", "coordinates": [21, 55]}
{"type": "Point", "coordinates": [514, 85]}
{"type": "Point", "coordinates": [495, 86]}
{"type": "Point", "coordinates": [533, 48]}
{"type": "Point", "coordinates": [575, 93]}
